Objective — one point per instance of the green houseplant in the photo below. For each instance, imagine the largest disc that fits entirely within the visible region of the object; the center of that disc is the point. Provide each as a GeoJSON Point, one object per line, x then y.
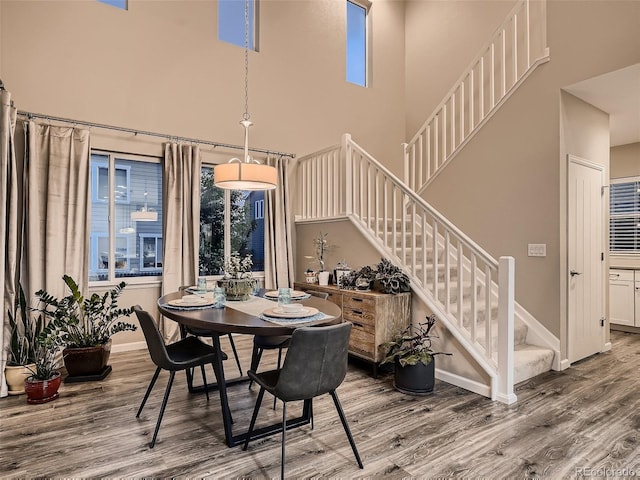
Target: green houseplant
{"type": "Point", "coordinates": [411, 351]}
{"type": "Point", "coordinates": [391, 278]}
{"type": "Point", "coordinates": [238, 281]}
{"type": "Point", "coordinates": [43, 383]}
{"type": "Point", "coordinates": [84, 326]}
{"type": "Point", "coordinates": [21, 350]}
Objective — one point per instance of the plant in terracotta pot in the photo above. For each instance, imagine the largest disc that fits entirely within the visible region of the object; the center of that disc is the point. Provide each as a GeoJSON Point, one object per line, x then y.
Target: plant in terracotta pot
{"type": "Point", "coordinates": [84, 327]}
{"type": "Point", "coordinates": [21, 350]}
{"type": "Point", "coordinates": [43, 383]}
{"type": "Point", "coordinates": [411, 351]}
{"type": "Point", "coordinates": [238, 281]}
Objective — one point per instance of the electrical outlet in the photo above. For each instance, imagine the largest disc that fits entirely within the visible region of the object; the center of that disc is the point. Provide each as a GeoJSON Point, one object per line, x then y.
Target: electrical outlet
{"type": "Point", "coordinates": [537, 249]}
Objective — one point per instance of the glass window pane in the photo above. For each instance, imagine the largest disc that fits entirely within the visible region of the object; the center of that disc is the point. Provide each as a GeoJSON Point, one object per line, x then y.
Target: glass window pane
{"type": "Point", "coordinates": [356, 44]}
{"type": "Point", "coordinates": [211, 225]}
{"type": "Point", "coordinates": [136, 197]}
{"type": "Point", "coordinates": [116, 3]}
{"type": "Point", "coordinates": [231, 22]}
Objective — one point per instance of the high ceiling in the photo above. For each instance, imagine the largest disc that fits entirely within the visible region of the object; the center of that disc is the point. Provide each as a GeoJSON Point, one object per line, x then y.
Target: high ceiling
{"type": "Point", "coordinates": [618, 94]}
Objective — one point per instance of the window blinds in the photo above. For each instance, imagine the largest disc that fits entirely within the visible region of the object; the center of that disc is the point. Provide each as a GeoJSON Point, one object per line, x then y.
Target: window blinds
{"type": "Point", "coordinates": [624, 224]}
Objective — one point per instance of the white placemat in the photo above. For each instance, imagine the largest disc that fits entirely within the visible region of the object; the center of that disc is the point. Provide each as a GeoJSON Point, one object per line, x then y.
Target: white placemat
{"type": "Point", "coordinates": [254, 306]}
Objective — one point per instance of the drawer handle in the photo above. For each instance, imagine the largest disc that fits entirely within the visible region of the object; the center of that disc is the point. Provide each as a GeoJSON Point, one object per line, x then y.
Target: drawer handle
{"type": "Point", "coordinates": [356, 324]}
{"type": "Point", "coordinates": [357, 312]}
{"type": "Point", "coordinates": [357, 299]}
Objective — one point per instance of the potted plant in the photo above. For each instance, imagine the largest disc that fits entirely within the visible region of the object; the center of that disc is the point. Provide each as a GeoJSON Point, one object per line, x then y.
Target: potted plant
{"type": "Point", "coordinates": [43, 383]}
{"type": "Point", "coordinates": [361, 279]}
{"type": "Point", "coordinates": [414, 359]}
{"type": "Point", "coordinates": [391, 279]}
{"type": "Point", "coordinates": [238, 281]}
{"type": "Point", "coordinates": [84, 326]}
{"type": "Point", "coordinates": [24, 330]}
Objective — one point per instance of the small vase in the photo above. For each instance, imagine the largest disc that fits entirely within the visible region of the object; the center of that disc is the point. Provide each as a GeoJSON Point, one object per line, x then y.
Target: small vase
{"type": "Point", "coordinates": [323, 278]}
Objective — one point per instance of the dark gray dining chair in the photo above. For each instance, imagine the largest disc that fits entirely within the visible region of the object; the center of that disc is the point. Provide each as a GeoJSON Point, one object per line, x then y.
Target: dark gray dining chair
{"type": "Point", "coordinates": [262, 343]}
{"type": "Point", "coordinates": [316, 364]}
{"type": "Point", "coordinates": [201, 332]}
{"type": "Point", "coordinates": [185, 354]}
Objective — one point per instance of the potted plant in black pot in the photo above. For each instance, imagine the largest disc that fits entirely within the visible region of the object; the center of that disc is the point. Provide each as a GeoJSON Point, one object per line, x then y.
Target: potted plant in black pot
{"type": "Point", "coordinates": [21, 351]}
{"type": "Point", "coordinates": [414, 359]}
{"type": "Point", "coordinates": [84, 326]}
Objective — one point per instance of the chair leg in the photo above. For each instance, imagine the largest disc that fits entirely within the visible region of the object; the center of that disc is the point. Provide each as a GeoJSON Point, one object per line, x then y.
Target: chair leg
{"type": "Point", "coordinates": [204, 382]}
{"type": "Point", "coordinates": [235, 353]}
{"type": "Point", "coordinates": [284, 437]}
{"type": "Point", "coordinates": [149, 388]}
{"type": "Point", "coordinates": [279, 365]}
{"type": "Point", "coordinates": [343, 419]}
{"type": "Point", "coordinates": [162, 407]}
{"type": "Point", "coordinates": [253, 417]}
{"type": "Point", "coordinates": [256, 355]}
{"type": "Point", "coordinates": [311, 411]}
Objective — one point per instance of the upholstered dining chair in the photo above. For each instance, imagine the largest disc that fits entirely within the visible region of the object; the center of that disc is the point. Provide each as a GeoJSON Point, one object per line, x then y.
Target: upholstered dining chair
{"type": "Point", "coordinates": [316, 364]}
{"type": "Point", "coordinates": [185, 354]}
{"type": "Point", "coordinates": [201, 332]}
{"type": "Point", "coordinates": [262, 343]}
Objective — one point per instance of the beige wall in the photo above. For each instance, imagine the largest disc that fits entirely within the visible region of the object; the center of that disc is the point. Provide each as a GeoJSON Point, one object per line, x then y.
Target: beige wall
{"type": "Point", "coordinates": [159, 67]}
{"type": "Point", "coordinates": [504, 189]}
{"type": "Point", "coordinates": [625, 160]}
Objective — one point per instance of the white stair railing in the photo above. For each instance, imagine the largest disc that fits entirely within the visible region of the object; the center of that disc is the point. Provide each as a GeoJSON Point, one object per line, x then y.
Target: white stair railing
{"type": "Point", "coordinates": [517, 47]}
{"type": "Point", "coordinates": [448, 271]}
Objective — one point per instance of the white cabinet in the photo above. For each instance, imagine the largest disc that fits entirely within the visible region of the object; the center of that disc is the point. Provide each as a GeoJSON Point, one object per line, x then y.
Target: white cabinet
{"type": "Point", "coordinates": [622, 297]}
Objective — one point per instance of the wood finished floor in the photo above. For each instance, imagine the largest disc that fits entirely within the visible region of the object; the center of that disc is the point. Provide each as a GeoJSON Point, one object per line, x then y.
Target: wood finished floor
{"type": "Point", "coordinates": [587, 416]}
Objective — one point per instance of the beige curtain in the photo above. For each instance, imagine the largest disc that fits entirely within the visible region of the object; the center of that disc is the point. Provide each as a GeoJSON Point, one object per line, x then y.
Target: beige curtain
{"type": "Point", "coordinates": [181, 225]}
{"type": "Point", "coordinates": [279, 268]}
{"type": "Point", "coordinates": [57, 206]}
{"type": "Point", "coordinates": [9, 236]}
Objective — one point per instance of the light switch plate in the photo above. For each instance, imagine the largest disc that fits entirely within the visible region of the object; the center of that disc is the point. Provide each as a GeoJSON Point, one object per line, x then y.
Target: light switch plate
{"type": "Point", "coordinates": [537, 249]}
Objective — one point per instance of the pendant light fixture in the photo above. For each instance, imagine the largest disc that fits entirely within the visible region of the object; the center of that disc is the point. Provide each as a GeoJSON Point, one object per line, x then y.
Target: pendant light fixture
{"type": "Point", "coordinates": [246, 174]}
{"type": "Point", "coordinates": [144, 214]}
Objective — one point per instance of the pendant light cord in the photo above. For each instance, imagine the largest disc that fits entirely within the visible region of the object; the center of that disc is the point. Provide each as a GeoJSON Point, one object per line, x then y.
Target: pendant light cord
{"type": "Point", "coordinates": [246, 115]}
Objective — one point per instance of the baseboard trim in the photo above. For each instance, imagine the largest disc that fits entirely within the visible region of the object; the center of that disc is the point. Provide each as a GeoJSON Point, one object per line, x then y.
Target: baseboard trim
{"type": "Point", "coordinates": [607, 347]}
{"type": "Point", "coordinates": [463, 382]}
{"type": "Point", "coordinates": [564, 364]}
{"type": "Point", "coordinates": [128, 347]}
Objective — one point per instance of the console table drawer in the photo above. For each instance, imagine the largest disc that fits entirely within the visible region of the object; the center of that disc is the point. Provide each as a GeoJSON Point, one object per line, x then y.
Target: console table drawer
{"type": "Point", "coordinates": [358, 303]}
{"type": "Point", "coordinates": [362, 342]}
{"type": "Point", "coordinates": [359, 316]}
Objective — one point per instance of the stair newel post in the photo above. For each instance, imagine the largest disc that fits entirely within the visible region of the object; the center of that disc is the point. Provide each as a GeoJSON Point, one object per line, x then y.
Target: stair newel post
{"type": "Point", "coordinates": [506, 328]}
{"type": "Point", "coordinates": [347, 161]}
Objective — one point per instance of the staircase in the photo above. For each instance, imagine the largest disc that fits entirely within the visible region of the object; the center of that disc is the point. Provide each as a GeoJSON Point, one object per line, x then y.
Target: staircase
{"type": "Point", "coordinates": [516, 49]}
{"type": "Point", "coordinates": [471, 293]}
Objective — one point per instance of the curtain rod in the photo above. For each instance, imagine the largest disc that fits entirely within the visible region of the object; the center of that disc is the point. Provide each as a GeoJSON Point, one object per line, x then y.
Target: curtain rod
{"type": "Point", "coordinates": [31, 115]}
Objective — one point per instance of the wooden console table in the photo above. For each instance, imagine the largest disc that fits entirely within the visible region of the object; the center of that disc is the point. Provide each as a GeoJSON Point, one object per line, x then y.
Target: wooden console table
{"type": "Point", "coordinates": [376, 318]}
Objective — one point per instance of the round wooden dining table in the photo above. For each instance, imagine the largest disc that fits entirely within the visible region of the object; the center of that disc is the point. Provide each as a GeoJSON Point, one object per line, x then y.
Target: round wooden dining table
{"type": "Point", "coordinates": [229, 320]}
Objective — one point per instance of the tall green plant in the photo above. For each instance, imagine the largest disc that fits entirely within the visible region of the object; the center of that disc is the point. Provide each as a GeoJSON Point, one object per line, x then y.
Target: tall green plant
{"type": "Point", "coordinates": [24, 332]}
{"type": "Point", "coordinates": [76, 321]}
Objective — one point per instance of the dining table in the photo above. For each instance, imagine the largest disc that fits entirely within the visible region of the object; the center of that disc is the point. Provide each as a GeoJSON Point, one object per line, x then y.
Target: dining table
{"type": "Point", "coordinates": [245, 317]}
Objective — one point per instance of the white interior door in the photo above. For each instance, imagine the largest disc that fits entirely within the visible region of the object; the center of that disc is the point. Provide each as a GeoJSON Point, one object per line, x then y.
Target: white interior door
{"type": "Point", "coordinates": [585, 259]}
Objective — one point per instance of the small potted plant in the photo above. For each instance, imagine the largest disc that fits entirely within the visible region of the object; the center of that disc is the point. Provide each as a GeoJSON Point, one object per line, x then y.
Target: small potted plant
{"type": "Point", "coordinates": [24, 330]}
{"type": "Point", "coordinates": [43, 383]}
{"type": "Point", "coordinates": [391, 279]}
{"type": "Point", "coordinates": [84, 326]}
{"type": "Point", "coordinates": [238, 280]}
{"type": "Point", "coordinates": [414, 359]}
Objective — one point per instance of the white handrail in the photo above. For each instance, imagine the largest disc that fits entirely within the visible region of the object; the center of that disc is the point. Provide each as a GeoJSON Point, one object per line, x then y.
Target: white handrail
{"type": "Point", "coordinates": [512, 54]}
{"type": "Point", "coordinates": [437, 256]}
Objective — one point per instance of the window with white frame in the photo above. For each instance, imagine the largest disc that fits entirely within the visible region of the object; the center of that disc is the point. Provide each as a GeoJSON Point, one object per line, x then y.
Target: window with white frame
{"type": "Point", "coordinates": [116, 3]}
{"type": "Point", "coordinates": [357, 51]}
{"type": "Point", "coordinates": [228, 224]}
{"type": "Point", "coordinates": [231, 22]}
{"type": "Point", "coordinates": [624, 216]}
{"type": "Point", "coordinates": [126, 217]}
